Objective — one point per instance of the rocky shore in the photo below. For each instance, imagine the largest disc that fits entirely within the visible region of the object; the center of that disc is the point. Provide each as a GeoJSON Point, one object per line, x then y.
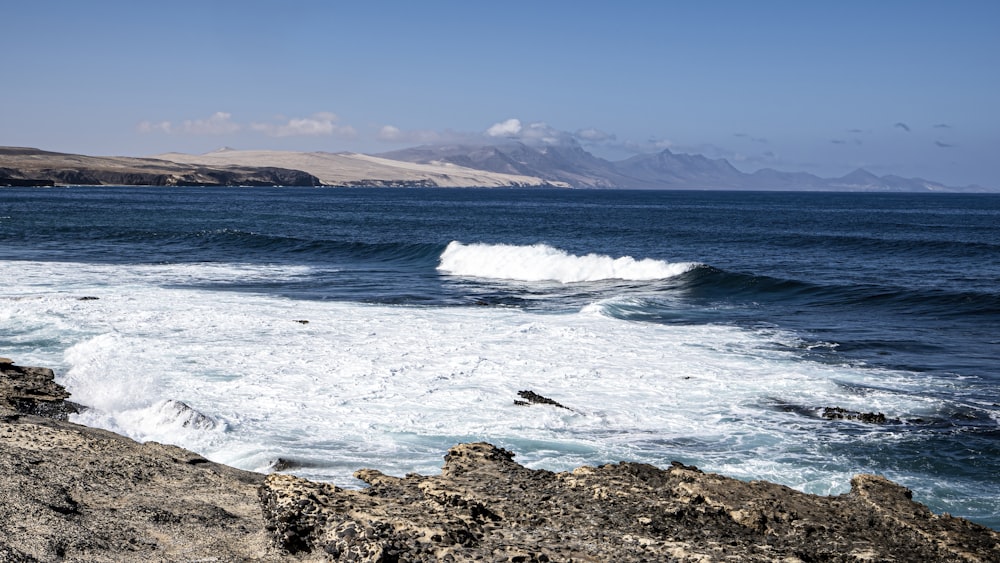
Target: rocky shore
{"type": "Point", "coordinates": [73, 493]}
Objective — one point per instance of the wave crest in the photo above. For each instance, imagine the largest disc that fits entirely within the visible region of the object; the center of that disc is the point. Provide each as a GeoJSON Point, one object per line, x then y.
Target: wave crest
{"type": "Point", "coordinates": [540, 262]}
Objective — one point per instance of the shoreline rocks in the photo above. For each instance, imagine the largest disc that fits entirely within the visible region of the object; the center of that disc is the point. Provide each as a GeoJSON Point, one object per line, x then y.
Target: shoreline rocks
{"type": "Point", "coordinates": [83, 494]}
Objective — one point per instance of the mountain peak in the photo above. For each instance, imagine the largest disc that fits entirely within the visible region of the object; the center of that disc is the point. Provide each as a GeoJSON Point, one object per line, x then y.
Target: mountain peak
{"type": "Point", "coordinates": [860, 175]}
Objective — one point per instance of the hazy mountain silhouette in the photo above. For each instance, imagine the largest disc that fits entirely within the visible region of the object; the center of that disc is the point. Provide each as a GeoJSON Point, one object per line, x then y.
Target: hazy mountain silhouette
{"type": "Point", "coordinates": [570, 163]}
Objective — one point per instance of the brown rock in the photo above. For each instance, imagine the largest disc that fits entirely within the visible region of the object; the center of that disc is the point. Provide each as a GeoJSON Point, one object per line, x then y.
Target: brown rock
{"type": "Point", "coordinates": [485, 506]}
{"type": "Point", "coordinates": [32, 390]}
{"type": "Point", "coordinates": [68, 492]}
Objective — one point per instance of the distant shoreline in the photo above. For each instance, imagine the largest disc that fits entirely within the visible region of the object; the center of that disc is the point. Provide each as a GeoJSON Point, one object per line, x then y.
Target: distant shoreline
{"type": "Point", "coordinates": [516, 166]}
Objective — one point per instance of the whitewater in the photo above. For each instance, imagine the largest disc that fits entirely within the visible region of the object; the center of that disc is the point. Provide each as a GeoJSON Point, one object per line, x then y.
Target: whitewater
{"type": "Point", "coordinates": [372, 332]}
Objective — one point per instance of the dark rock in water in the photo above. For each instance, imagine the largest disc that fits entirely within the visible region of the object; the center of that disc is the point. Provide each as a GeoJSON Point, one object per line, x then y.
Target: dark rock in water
{"type": "Point", "coordinates": [532, 398]}
{"type": "Point", "coordinates": [285, 464]}
{"type": "Point", "coordinates": [32, 390]}
{"type": "Point", "coordinates": [187, 416]}
{"type": "Point", "coordinates": [282, 464]}
{"type": "Point", "coordinates": [838, 413]}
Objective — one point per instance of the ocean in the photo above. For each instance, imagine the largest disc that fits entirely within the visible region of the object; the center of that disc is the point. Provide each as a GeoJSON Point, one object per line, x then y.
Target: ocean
{"type": "Point", "coordinates": [339, 329]}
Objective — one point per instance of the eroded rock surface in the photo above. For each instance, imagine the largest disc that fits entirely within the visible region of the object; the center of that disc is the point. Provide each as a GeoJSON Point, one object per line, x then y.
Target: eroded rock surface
{"type": "Point", "coordinates": [68, 492]}
{"type": "Point", "coordinates": [32, 390]}
{"type": "Point", "coordinates": [484, 506]}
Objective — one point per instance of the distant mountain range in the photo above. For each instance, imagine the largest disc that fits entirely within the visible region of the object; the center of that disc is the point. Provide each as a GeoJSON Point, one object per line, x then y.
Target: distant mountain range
{"type": "Point", "coordinates": [511, 164]}
{"type": "Point", "coordinates": [573, 165]}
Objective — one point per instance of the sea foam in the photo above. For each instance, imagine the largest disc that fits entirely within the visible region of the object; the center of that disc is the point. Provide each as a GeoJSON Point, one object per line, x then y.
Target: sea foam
{"type": "Point", "coordinates": [540, 262]}
{"type": "Point", "coordinates": [237, 378]}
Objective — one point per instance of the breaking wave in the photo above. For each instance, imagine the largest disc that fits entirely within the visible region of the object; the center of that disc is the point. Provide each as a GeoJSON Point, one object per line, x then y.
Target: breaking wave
{"type": "Point", "coordinates": [540, 262]}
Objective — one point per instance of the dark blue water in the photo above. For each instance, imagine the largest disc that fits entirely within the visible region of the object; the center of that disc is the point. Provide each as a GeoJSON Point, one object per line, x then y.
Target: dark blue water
{"type": "Point", "coordinates": [907, 281]}
{"type": "Point", "coordinates": [897, 282]}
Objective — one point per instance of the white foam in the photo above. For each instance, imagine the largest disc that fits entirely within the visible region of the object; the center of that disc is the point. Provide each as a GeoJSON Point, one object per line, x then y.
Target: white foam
{"type": "Point", "coordinates": [540, 262]}
{"type": "Point", "coordinates": [393, 387]}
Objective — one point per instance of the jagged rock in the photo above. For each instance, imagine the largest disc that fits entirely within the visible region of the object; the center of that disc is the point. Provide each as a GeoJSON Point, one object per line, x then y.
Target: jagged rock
{"type": "Point", "coordinates": [484, 506]}
{"type": "Point", "coordinates": [532, 398]}
{"type": "Point", "coordinates": [838, 413]}
{"type": "Point", "coordinates": [32, 390]}
{"type": "Point", "coordinates": [188, 417]}
{"type": "Point", "coordinates": [68, 492]}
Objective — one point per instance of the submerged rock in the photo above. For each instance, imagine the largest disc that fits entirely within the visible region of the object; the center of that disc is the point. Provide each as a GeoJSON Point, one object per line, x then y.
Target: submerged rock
{"type": "Point", "coordinates": [532, 398]}
{"type": "Point", "coordinates": [838, 413]}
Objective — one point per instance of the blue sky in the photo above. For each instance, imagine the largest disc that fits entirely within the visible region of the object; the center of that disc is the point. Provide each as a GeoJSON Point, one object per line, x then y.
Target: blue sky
{"type": "Point", "coordinates": [910, 88]}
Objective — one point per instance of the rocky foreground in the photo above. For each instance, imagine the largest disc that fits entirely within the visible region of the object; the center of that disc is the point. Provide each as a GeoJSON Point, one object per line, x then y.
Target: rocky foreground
{"type": "Point", "coordinates": [73, 493]}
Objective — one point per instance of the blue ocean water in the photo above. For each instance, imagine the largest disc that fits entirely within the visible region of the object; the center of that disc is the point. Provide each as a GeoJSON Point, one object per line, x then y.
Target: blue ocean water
{"type": "Point", "coordinates": [707, 327]}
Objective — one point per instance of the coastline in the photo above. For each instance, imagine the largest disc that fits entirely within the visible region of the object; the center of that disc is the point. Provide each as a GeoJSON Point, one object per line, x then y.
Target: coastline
{"type": "Point", "coordinates": [79, 493]}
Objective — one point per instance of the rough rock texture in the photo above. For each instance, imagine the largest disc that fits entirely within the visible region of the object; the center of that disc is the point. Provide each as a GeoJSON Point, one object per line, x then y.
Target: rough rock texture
{"type": "Point", "coordinates": [839, 413]}
{"type": "Point", "coordinates": [68, 492]}
{"type": "Point", "coordinates": [31, 390]}
{"type": "Point", "coordinates": [484, 506]}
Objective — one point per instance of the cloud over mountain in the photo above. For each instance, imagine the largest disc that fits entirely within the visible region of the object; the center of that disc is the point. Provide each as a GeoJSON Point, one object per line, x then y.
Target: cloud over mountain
{"type": "Point", "coordinates": [322, 123]}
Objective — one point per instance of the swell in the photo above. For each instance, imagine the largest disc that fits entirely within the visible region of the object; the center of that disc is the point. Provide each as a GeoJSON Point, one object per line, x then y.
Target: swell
{"type": "Point", "coordinates": [931, 242]}
{"type": "Point", "coordinates": [709, 284]}
{"type": "Point", "coordinates": [218, 245]}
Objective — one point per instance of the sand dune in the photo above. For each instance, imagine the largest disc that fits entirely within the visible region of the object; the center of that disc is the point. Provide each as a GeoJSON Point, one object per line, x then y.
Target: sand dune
{"type": "Point", "coordinates": [351, 169]}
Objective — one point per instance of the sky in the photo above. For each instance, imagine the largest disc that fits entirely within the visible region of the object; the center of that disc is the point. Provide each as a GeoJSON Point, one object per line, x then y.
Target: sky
{"type": "Point", "coordinates": [896, 87]}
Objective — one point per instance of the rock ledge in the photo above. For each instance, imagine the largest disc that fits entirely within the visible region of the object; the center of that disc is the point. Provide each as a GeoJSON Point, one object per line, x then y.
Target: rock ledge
{"type": "Point", "coordinates": [69, 492]}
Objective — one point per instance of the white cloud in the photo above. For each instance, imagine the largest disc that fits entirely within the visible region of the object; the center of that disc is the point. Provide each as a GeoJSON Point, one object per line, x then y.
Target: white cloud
{"type": "Point", "coordinates": [393, 134]}
{"type": "Point", "coordinates": [536, 132]}
{"type": "Point", "coordinates": [390, 134]}
{"type": "Point", "coordinates": [509, 128]}
{"type": "Point", "coordinates": [220, 123]}
{"type": "Point", "coordinates": [593, 135]}
{"type": "Point", "coordinates": [541, 131]}
{"type": "Point", "coordinates": [150, 127]}
{"type": "Point", "coordinates": [318, 124]}
{"type": "Point", "coordinates": [648, 146]}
